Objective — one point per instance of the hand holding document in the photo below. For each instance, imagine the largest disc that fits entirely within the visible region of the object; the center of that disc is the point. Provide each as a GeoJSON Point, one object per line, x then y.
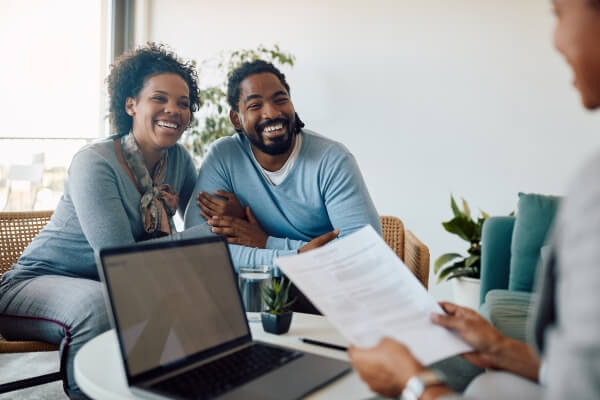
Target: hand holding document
{"type": "Point", "coordinates": [368, 293]}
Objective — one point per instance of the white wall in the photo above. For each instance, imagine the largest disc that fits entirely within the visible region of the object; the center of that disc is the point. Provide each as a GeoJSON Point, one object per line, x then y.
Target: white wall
{"type": "Point", "coordinates": [432, 96]}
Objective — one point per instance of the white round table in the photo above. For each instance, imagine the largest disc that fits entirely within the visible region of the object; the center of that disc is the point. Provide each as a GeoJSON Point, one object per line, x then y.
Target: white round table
{"type": "Point", "coordinates": [99, 370]}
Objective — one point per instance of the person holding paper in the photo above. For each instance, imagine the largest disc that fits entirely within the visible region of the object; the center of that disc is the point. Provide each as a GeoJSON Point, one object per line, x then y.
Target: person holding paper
{"type": "Point", "coordinates": [565, 356]}
{"type": "Point", "coordinates": [389, 366]}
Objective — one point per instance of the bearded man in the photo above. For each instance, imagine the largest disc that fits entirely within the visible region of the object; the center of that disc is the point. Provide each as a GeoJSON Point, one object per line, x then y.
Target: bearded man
{"type": "Point", "coordinates": [276, 188]}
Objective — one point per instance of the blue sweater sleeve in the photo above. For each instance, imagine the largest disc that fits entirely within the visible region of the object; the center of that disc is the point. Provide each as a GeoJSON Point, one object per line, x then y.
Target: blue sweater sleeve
{"type": "Point", "coordinates": [345, 193]}
{"type": "Point", "coordinates": [214, 176]}
{"type": "Point", "coordinates": [97, 201]}
{"type": "Point", "coordinates": [284, 243]}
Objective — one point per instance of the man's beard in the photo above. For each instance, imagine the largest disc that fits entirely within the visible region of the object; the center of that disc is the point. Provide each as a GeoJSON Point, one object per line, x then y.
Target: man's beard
{"type": "Point", "coordinates": [278, 145]}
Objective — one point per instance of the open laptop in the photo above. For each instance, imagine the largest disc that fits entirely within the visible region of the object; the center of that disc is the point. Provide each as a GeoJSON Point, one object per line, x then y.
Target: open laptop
{"type": "Point", "coordinates": [183, 332]}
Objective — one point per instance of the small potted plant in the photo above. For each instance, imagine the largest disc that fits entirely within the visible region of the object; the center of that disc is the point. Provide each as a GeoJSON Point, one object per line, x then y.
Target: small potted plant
{"type": "Point", "coordinates": [277, 318]}
{"type": "Point", "coordinates": [469, 230]}
{"type": "Point", "coordinates": [464, 270]}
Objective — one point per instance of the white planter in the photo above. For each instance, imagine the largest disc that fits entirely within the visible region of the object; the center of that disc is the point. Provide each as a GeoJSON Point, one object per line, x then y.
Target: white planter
{"type": "Point", "coordinates": [466, 292]}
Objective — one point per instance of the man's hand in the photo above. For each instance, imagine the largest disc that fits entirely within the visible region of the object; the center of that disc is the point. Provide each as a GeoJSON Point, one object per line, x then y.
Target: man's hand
{"type": "Point", "coordinates": [319, 241]}
{"type": "Point", "coordinates": [386, 367]}
{"type": "Point", "coordinates": [239, 231]}
{"type": "Point", "coordinates": [475, 330]}
{"type": "Point", "coordinates": [228, 205]}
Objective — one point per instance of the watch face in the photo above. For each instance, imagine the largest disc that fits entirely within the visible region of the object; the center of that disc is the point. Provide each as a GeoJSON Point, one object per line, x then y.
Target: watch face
{"type": "Point", "coordinates": [416, 385]}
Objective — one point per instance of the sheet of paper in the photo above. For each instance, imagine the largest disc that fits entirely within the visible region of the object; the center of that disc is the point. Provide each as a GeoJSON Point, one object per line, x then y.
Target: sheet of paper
{"type": "Point", "coordinates": [368, 293]}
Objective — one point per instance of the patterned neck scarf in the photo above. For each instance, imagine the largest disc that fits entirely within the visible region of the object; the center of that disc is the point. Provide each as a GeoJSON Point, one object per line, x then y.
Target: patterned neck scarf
{"type": "Point", "coordinates": [159, 201]}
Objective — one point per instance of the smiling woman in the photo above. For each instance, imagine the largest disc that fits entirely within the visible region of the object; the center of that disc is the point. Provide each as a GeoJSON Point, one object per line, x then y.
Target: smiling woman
{"type": "Point", "coordinates": [119, 191]}
{"type": "Point", "coordinates": [160, 114]}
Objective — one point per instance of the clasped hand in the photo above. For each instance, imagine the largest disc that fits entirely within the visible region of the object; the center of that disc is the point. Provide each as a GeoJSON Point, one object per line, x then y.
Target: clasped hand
{"type": "Point", "coordinates": [223, 204]}
{"type": "Point", "coordinates": [246, 232]}
{"type": "Point", "coordinates": [227, 217]}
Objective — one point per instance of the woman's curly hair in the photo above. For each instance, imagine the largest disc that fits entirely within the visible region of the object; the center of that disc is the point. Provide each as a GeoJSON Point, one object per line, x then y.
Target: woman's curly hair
{"type": "Point", "coordinates": [129, 73]}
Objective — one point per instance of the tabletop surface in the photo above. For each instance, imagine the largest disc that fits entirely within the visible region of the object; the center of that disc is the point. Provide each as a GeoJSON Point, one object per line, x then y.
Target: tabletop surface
{"type": "Point", "coordinates": [100, 374]}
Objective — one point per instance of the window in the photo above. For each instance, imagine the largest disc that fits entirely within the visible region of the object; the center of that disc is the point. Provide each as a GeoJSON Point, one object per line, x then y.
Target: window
{"type": "Point", "coordinates": [55, 58]}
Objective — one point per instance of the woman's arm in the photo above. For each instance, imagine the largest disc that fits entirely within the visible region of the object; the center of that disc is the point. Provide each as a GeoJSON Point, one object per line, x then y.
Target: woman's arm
{"type": "Point", "coordinates": [187, 168]}
{"type": "Point", "coordinates": [92, 188]}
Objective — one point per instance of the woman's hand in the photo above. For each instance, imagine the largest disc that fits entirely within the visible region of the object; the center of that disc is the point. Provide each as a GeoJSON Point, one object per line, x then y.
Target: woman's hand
{"type": "Point", "coordinates": [475, 330]}
{"type": "Point", "coordinates": [319, 241]}
{"type": "Point", "coordinates": [225, 205]}
{"type": "Point", "coordinates": [240, 231]}
{"type": "Point", "coordinates": [386, 367]}
{"type": "Point", "coordinates": [492, 348]}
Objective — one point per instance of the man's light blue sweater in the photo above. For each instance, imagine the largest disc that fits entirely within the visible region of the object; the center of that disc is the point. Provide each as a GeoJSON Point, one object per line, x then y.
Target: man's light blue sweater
{"type": "Point", "coordinates": [323, 191]}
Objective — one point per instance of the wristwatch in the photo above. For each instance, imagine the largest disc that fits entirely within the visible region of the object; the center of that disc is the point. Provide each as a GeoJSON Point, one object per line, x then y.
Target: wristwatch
{"type": "Point", "coordinates": [417, 384]}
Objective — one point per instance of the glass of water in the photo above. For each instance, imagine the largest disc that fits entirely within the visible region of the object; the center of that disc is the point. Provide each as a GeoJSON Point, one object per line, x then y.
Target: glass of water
{"type": "Point", "coordinates": [252, 279]}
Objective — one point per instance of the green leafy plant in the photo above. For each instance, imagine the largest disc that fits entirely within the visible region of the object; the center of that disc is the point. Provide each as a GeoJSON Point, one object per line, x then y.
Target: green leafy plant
{"type": "Point", "coordinates": [276, 297]}
{"type": "Point", "coordinates": [468, 229]}
{"type": "Point", "coordinates": [212, 119]}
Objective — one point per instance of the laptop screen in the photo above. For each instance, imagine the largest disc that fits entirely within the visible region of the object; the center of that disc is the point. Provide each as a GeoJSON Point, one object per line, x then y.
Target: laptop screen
{"type": "Point", "coordinates": [173, 301]}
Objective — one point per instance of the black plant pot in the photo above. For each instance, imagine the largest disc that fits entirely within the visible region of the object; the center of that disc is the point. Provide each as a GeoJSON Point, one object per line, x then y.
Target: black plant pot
{"type": "Point", "coordinates": [276, 324]}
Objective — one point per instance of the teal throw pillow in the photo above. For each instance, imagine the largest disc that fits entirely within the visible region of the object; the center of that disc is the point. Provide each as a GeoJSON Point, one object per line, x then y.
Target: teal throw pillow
{"type": "Point", "coordinates": [534, 218]}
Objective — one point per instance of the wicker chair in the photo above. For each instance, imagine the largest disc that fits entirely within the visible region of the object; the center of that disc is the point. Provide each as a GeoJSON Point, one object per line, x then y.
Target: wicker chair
{"type": "Point", "coordinates": [407, 246]}
{"type": "Point", "coordinates": [17, 229]}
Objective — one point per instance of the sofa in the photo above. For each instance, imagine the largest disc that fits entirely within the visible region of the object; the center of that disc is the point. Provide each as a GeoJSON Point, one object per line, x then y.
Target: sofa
{"type": "Point", "coordinates": [511, 250]}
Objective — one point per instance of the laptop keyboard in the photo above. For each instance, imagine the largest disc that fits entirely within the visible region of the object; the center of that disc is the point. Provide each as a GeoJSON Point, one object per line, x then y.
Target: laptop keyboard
{"type": "Point", "coordinates": [219, 376]}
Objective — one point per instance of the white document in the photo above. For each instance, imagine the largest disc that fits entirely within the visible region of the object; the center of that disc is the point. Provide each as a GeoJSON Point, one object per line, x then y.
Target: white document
{"type": "Point", "coordinates": [368, 293]}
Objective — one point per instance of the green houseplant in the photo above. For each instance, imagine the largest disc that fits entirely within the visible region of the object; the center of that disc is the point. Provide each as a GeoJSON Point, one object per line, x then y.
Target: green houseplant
{"type": "Point", "coordinates": [212, 119]}
{"type": "Point", "coordinates": [454, 265]}
{"type": "Point", "coordinates": [277, 318]}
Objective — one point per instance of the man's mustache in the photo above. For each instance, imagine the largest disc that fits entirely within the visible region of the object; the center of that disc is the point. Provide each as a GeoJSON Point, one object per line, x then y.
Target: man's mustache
{"type": "Point", "coordinates": [261, 126]}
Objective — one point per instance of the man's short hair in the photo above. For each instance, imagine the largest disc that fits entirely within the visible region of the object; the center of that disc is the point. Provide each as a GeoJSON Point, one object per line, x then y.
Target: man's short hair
{"type": "Point", "coordinates": [244, 71]}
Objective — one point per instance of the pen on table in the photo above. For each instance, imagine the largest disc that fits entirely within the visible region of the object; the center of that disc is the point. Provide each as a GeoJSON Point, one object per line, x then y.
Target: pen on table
{"type": "Point", "coordinates": [323, 344]}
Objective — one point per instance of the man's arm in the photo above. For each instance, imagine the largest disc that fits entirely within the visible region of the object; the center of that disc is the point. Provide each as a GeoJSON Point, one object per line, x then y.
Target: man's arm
{"type": "Point", "coordinates": [214, 176]}
{"type": "Point", "coordinates": [347, 200]}
{"type": "Point", "coordinates": [225, 213]}
{"type": "Point", "coordinates": [284, 243]}
{"type": "Point", "coordinates": [345, 193]}
{"type": "Point", "coordinates": [348, 204]}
